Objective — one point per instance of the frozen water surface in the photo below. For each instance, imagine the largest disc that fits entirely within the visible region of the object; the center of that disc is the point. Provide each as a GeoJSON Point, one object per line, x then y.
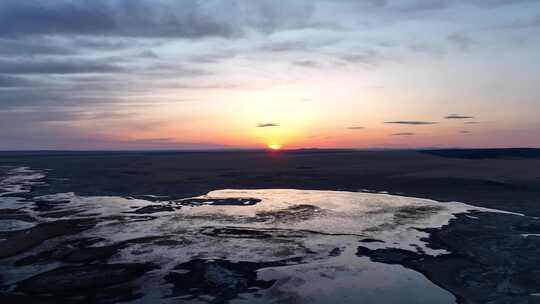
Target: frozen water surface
{"type": "Point", "coordinates": [303, 241]}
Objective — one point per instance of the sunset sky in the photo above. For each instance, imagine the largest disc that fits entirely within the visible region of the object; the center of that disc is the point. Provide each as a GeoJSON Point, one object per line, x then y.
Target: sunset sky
{"type": "Point", "coordinates": [127, 74]}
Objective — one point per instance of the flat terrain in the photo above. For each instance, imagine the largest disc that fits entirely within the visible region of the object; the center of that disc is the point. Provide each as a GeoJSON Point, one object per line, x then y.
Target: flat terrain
{"type": "Point", "coordinates": [504, 179]}
{"type": "Point", "coordinates": [494, 257]}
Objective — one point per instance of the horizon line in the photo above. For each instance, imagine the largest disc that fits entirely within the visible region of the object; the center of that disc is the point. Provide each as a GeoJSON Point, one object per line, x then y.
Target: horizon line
{"type": "Point", "coordinates": [266, 150]}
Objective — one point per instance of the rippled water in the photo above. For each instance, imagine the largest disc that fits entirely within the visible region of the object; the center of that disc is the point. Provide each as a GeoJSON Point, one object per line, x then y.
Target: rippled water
{"type": "Point", "coordinates": [315, 232]}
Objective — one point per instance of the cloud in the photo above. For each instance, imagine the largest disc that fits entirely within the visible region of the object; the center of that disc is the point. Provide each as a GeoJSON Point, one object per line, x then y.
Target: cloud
{"type": "Point", "coordinates": [308, 43]}
{"type": "Point", "coordinates": [403, 134]}
{"type": "Point", "coordinates": [411, 122]}
{"type": "Point", "coordinates": [458, 116]}
{"type": "Point", "coordinates": [471, 122]}
{"type": "Point", "coordinates": [55, 66]}
{"type": "Point", "coordinates": [520, 24]}
{"type": "Point", "coordinates": [306, 63]}
{"type": "Point", "coordinates": [187, 19]}
{"type": "Point", "coordinates": [204, 86]}
{"type": "Point", "coordinates": [496, 3]}
{"type": "Point", "coordinates": [465, 132]}
{"type": "Point", "coordinates": [266, 125]}
{"type": "Point", "coordinates": [462, 41]}
{"type": "Point", "coordinates": [419, 6]}
{"type": "Point", "coordinates": [64, 59]}
{"type": "Point", "coordinates": [283, 46]}
{"type": "Point", "coordinates": [369, 58]}
{"type": "Point", "coordinates": [7, 81]}
{"type": "Point", "coordinates": [35, 46]}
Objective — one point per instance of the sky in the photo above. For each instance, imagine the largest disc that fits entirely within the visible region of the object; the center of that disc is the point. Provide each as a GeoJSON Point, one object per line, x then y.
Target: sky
{"type": "Point", "coordinates": [220, 74]}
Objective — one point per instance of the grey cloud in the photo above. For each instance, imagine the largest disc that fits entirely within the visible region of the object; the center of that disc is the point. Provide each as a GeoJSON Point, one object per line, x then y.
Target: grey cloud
{"type": "Point", "coordinates": [411, 122]}
{"type": "Point", "coordinates": [462, 41]}
{"type": "Point", "coordinates": [270, 15]}
{"type": "Point", "coordinates": [266, 125]}
{"type": "Point", "coordinates": [369, 58]}
{"type": "Point", "coordinates": [214, 57]}
{"type": "Point", "coordinates": [496, 3]}
{"type": "Point", "coordinates": [458, 116]}
{"type": "Point", "coordinates": [107, 43]}
{"type": "Point", "coordinates": [429, 5]}
{"type": "Point", "coordinates": [211, 86]}
{"type": "Point", "coordinates": [15, 47]}
{"type": "Point", "coordinates": [55, 66]}
{"type": "Point", "coordinates": [306, 63]}
{"type": "Point", "coordinates": [355, 128]}
{"type": "Point", "coordinates": [297, 45]}
{"type": "Point", "coordinates": [520, 24]}
{"type": "Point", "coordinates": [7, 81]}
{"type": "Point", "coordinates": [187, 19]}
{"type": "Point", "coordinates": [426, 48]}
{"type": "Point", "coordinates": [403, 134]}
{"type": "Point", "coordinates": [471, 122]}
{"type": "Point", "coordinates": [43, 115]}
{"type": "Point", "coordinates": [190, 19]}
{"type": "Point", "coordinates": [284, 46]}
{"type": "Point", "coordinates": [31, 96]}
{"type": "Point", "coordinates": [465, 132]}
{"type": "Point", "coordinates": [148, 54]}
{"type": "Point", "coordinates": [422, 5]}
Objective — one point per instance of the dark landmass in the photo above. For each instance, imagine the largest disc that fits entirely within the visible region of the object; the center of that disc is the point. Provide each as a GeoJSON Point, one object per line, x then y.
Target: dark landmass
{"type": "Point", "coordinates": [83, 284]}
{"type": "Point", "coordinates": [490, 261]}
{"type": "Point", "coordinates": [507, 179]}
{"type": "Point", "coordinates": [494, 257]}
{"type": "Point", "coordinates": [22, 240]}
{"type": "Point", "coordinates": [486, 153]}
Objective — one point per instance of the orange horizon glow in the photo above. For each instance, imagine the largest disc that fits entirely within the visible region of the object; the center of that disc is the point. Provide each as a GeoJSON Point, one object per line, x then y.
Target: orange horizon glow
{"type": "Point", "coordinates": [274, 147]}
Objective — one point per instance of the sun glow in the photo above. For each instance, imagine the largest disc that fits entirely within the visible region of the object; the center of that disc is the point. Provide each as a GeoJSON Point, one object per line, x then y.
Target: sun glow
{"type": "Point", "coordinates": [274, 146]}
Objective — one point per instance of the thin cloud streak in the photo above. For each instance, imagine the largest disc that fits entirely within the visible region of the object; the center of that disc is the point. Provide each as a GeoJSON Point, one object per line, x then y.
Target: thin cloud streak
{"type": "Point", "coordinates": [411, 122]}
{"type": "Point", "coordinates": [458, 116]}
{"type": "Point", "coordinates": [267, 125]}
{"type": "Point", "coordinates": [404, 134]}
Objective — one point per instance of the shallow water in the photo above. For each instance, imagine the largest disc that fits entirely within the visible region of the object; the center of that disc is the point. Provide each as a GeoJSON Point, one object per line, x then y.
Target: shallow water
{"type": "Point", "coordinates": [316, 233]}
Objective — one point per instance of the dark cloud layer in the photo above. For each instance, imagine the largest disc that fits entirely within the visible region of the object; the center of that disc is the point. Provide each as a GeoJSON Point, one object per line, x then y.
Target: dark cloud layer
{"type": "Point", "coordinates": [191, 19]}
{"type": "Point", "coordinates": [458, 116]}
{"type": "Point", "coordinates": [32, 47]}
{"type": "Point", "coordinates": [267, 125]}
{"type": "Point", "coordinates": [109, 18]}
{"type": "Point", "coordinates": [411, 122]}
{"type": "Point", "coordinates": [355, 128]}
{"type": "Point", "coordinates": [13, 82]}
{"type": "Point", "coordinates": [403, 134]}
{"type": "Point", "coordinates": [55, 66]}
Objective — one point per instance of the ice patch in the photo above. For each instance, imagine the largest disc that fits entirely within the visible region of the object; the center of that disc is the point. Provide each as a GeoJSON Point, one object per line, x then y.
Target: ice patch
{"type": "Point", "coordinates": [10, 225]}
{"type": "Point", "coordinates": [19, 180]}
{"type": "Point", "coordinates": [396, 220]}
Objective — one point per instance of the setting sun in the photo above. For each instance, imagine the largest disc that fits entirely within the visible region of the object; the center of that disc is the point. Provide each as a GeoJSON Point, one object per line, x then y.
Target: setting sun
{"type": "Point", "coordinates": [274, 146]}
